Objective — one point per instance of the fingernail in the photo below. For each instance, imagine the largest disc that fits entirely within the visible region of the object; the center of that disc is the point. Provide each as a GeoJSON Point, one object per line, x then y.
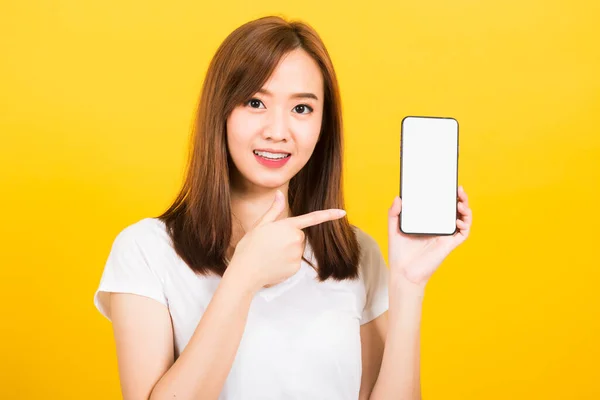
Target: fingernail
{"type": "Point", "coordinates": [341, 213]}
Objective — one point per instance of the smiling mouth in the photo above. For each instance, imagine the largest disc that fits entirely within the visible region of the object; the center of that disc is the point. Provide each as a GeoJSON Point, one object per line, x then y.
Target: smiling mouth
{"type": "Point", "coordinates": [271, 156]}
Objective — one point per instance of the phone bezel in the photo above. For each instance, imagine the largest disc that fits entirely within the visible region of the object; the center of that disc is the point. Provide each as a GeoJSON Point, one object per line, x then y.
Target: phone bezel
{"type": "Point", "coordinates": [402, 171]}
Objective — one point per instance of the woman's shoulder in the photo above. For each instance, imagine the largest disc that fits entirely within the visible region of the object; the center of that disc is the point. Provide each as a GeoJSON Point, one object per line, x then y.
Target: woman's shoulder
{"type": "Point", "coordinates": [371, 258]}
{"type": "Point", "coordinates": [145, 227]}
{"type": "Point", "coordinates": [366, 241]}
{"type": "Point", "coordinates": [136, 263]}
{"type": "Point", "coordinates": [148, 233]}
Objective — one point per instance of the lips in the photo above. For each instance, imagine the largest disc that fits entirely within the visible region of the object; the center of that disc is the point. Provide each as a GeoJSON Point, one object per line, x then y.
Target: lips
{"type": "Point", "coordinates": [271, 159]}
{"type": "Point", "coordinates": [271, 154]}
{"type": "Point", "coordinates": [273, 151]}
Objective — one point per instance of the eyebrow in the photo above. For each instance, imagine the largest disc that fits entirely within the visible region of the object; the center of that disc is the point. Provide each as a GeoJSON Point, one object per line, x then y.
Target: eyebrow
{"type": "Point", "coordinates": [306, 95]}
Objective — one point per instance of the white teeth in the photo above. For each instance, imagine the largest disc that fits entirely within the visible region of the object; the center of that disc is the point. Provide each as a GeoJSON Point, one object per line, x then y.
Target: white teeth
{"type": "Point", "coordinates": [273, 156]}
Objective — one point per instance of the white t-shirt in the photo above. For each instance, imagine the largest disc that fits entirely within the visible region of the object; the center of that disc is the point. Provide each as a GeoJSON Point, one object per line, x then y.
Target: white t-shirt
{"type": "Point", "coordinates": [302, 337]}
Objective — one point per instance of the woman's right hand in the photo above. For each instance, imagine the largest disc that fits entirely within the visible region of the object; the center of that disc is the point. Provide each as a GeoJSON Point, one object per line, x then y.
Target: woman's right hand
{"type": "Point", "coordinates": [272, 251]}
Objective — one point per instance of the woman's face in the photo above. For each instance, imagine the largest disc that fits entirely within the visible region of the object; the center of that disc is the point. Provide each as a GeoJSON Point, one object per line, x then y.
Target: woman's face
{"type": "Point", "coordinates": [272, 136]}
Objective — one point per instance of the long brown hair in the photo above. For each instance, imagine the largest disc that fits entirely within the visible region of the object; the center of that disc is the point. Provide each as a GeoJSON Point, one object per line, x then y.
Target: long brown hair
{"type": "Point", "coordinates": [199, 221]}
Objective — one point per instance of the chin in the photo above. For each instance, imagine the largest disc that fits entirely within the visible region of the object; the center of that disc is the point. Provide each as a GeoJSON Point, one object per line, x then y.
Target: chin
{"type": "Point", "coordinates": [264, 178]}
{"type": "Point", "coordinates": [270, 183]}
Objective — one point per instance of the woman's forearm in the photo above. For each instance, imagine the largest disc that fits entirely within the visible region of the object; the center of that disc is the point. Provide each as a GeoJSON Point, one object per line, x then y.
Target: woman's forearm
{"type": "Point", "coordinates": [399, 376]}
{"type": "Point", "coordinates": [203, 366]}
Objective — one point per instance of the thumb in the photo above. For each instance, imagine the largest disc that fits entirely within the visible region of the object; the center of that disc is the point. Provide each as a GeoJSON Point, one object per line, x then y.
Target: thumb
{"type": "Point", "coordinates": [393, 214]}
{"type": "Point", "coordinates": [274, 211]}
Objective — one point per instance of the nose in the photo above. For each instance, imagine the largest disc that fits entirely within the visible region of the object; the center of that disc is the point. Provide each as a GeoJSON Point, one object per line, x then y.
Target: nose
{"type": "Point", "coordinates": [277, 126]}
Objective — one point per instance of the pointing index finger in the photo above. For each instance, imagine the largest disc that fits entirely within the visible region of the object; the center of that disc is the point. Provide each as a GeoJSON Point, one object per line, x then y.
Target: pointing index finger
{"type": "Point", "coordinates": [316, 217]}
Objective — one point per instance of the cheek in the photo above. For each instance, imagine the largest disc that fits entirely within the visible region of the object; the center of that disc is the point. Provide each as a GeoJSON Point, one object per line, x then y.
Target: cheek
{"type": "Point", "coordinates": [240, 130]}
{"type": "Point", "coordinates": [308, 135]}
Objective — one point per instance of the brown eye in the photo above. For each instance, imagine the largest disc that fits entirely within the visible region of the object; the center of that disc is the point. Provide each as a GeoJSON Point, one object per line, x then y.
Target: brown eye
{"type": "Point", "coordinates": [303, 109]}
{"type": "Point", "coordinates": [254, 103]}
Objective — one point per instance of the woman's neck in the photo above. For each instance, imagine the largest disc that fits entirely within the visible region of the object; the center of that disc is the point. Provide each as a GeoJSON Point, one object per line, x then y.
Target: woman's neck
{"type": "Point", "coordinates": [248, 207]}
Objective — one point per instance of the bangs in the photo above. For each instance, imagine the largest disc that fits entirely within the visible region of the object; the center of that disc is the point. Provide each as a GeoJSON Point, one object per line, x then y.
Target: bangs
{"type": "Point", "coordinates": [253, 59]}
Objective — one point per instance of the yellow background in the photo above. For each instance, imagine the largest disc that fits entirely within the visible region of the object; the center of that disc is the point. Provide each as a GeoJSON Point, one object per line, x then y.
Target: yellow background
{"type": "Point", "coordinates": [96, 101]}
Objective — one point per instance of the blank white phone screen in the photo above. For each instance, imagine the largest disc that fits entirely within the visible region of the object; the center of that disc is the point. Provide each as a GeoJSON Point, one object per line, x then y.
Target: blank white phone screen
{"type": "Point", "coordinates": [429, 166]}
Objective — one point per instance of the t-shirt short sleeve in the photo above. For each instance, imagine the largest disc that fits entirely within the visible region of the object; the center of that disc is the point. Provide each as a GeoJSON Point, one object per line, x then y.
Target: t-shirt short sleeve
{"type": "Point", "coordinates": [131, 267]}
{"type": "Point", "coordinates": [375, 275]}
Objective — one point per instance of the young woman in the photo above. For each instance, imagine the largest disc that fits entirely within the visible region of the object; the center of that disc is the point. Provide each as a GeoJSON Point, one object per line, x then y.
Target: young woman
{"type": "Point", "coordinates": [253, 285]}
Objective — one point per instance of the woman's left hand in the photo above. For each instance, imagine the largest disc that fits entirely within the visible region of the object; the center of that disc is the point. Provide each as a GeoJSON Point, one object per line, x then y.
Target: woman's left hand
{"type": "Point", "coordinates": [417, 257]}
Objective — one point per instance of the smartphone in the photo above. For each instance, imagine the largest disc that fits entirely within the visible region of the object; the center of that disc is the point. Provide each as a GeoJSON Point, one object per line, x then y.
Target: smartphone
{"type": "Point", "coordinates": [429, 175]}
